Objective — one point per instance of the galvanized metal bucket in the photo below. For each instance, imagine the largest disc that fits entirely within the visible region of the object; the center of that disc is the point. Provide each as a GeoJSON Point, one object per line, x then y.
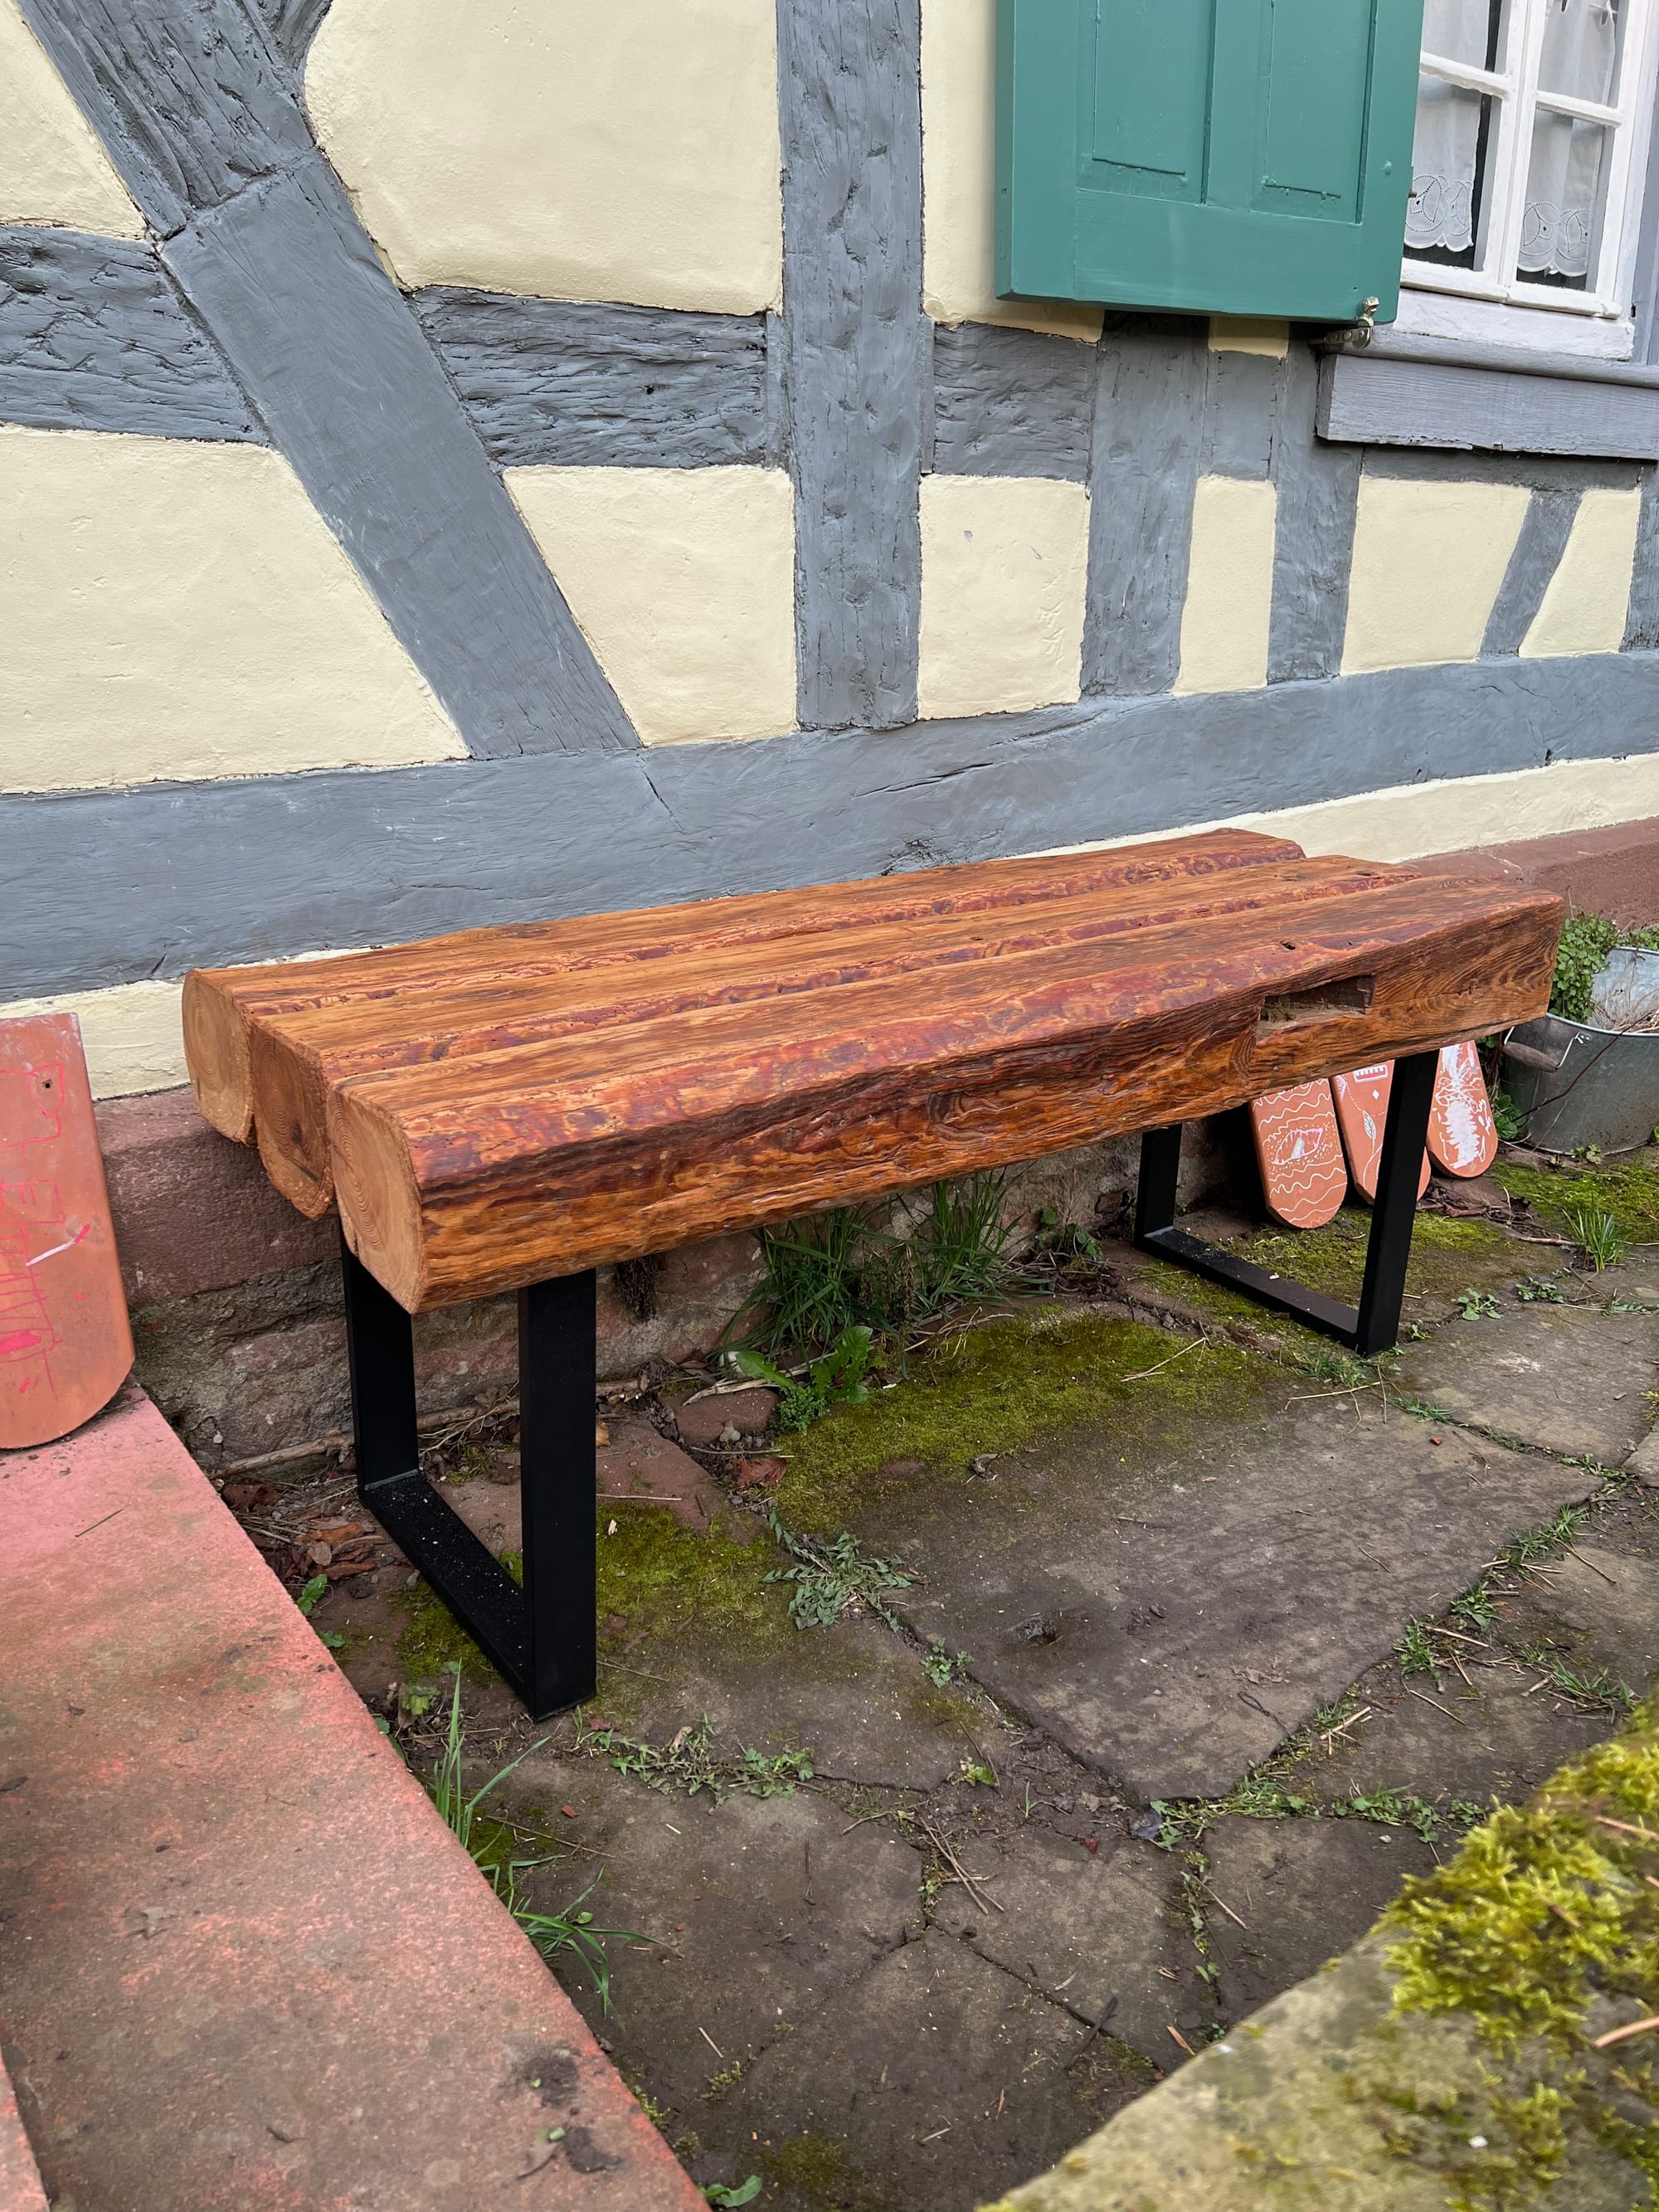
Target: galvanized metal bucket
{"type": "Point", "coordinates": [1579, 1085]}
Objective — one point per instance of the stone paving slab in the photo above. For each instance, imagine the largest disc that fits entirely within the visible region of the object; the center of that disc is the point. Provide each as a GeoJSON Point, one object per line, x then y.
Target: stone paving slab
{"type": "Point", "coordinates": [1566, 1378]}
{"type": "Point", "coordinates": [1469, 1745]}
{"type": "Point", "coordinates": [1172, 1636]}
{"type": "Point", "coordinates": [1099, 1933]}
{"type": "Point", "coordinates": [945, 2075]}
{"type": "Point", "coordinates": [1609, 1600]}
{"type": "Point", "coordinates": [759, 1910]}
{"type": "Point", "coordinates": [242, 1961]}
{"type": "Point", "coordinates": [1301, 1887]}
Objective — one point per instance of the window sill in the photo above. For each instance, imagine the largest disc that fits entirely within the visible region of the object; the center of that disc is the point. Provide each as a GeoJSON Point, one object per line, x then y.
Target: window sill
{"type": "Point", "coordinates": [1402, 389]}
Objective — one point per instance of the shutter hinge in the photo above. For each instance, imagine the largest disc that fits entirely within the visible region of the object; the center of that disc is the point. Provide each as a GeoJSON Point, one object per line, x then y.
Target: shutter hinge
{"type": "Point", "coordinates": [1359, 334]}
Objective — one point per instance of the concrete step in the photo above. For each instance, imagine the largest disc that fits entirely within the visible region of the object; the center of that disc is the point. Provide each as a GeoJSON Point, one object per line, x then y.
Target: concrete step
{"type": "Point", "coordinates": [242, 1961]}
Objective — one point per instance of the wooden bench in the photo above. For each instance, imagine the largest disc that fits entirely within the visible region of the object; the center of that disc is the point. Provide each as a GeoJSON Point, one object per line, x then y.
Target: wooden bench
{"type": "Point", "coordinates": [509, 1109]}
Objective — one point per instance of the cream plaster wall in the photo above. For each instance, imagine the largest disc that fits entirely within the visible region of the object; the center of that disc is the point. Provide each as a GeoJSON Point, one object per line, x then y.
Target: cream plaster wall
{"type": "Point", "coordinates": [684, 582]}
{"type": "Point", "coordinates": [1408, 821]}
{"type": "Point", "coordinates": [1587, 599]}
{"type": "Point", "coordinates": [959, 139]}
{"type": "Point", "coordinates": [1428, 560]}
{"type": "Point", "coordinates": [1004, 566]}
{"type": "Point", "coordinates": [171, 609]}
{"type": "Point", "coordinates": [1229, 586]}
{"type": "Point", "coordinates": [133, 1035]}
{"type": "Point", "coordinates": [52, 169]}
{"type": "Point", "coordinates": [1257, 334]}
{"type": "Point", "coordinates": [622, 152]}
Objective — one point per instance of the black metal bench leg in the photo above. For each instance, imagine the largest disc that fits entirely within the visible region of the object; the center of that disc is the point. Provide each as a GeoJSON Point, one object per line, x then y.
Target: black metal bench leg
{"type": "Point", "coordinates": [1374, 1327]}
{"type": "Point", "coordinates": [540, 1638]}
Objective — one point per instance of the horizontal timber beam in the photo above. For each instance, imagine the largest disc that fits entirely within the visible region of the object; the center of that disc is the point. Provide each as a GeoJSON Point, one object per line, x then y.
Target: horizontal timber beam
{"type": "Point", "coordinates": [112, 887]}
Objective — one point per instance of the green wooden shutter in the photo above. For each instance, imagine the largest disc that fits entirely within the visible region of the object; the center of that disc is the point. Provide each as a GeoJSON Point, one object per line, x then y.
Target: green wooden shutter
{"type": "Point", "coordinates": [1239, 157]}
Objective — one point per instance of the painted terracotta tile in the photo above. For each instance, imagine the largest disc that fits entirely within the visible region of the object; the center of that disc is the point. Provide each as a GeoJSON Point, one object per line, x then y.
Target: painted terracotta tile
{"type": "Point", "coordinates": [1463, 1135]}
{"type": "Point", "coordinates": [1362, 1114]}
{"type": "Point", "coordinates": [65, 1341]}
{"type": "Point", "coordinates": [1300, 1151]}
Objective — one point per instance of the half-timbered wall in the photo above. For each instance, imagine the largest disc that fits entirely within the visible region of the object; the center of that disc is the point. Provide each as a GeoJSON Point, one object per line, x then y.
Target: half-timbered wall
{"type": "Point", "coordinates": [463, 464]}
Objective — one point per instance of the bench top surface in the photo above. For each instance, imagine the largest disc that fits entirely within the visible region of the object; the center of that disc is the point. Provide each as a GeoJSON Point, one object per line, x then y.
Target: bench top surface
{"type": "Point", "coordinates": [506, 1104]}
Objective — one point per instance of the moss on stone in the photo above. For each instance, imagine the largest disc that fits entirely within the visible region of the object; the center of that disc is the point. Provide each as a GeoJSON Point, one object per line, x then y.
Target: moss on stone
{"type": "Point", "coordinates": [1546, 1907]}
{"type": "Point", "coordinates": [1627, 1188]}
{"type": "Point", "coordinates": [656, 1574]}
{"type": "Point", "coordinates": [992, 1388]}
{"type": "Point", "coordinates": [817, 2168]}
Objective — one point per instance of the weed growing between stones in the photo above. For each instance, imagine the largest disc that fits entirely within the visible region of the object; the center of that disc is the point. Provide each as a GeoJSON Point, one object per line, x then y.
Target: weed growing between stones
{"type": "Point", "coordinates": [831, 1578]}
{"type": "Point", "coordinates": [489, 1842]}
{"type": "Point", "coordinates": [844, 1270]}
{"type": "Point", "coordinates": [688, 1765]}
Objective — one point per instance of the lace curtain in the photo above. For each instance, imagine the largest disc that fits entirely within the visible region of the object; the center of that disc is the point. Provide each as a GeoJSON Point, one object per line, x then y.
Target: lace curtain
{"type": "Point", "coordinates": [1580, 56]}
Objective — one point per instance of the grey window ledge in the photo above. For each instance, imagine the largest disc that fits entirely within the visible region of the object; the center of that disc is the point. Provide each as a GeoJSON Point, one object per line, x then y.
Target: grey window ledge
{"type": "Point", "coordinates": [1400, 389]}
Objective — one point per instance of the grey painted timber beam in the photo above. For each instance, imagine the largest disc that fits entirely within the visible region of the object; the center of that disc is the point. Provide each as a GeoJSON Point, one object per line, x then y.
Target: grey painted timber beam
{"type": "Point", "coordinates": [1011, 403]}
{"type": "Point", "coordinates": [1241, 413]}
{"type": "Point", "coordinates": [550, 382]}
{"type": "Point", "coordinates": [1538, 550]}
{"type": "Point", "coordinates": [1148, 432]}
{"type": "Point", "coordinates": [293, 25]}
{"type": "Point", "coordinates": [857, 371]}
{"type": "Point", "coordinates": [1318, 493]}
{"type": "Point", "coordinates": [198, 112]}
{"type": "Point", "coordinates": [94, 336]}
{"type": "Point", "coordinates": [1376, 400]}
{"type": "Point", "coordinates": [112, 887]}
{"type": "Point", "coordinates": [1642, 621]}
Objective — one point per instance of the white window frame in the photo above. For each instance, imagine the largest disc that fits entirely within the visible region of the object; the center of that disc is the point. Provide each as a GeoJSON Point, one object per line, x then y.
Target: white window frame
{"type": "Point", "coordinates": [1488, 304]}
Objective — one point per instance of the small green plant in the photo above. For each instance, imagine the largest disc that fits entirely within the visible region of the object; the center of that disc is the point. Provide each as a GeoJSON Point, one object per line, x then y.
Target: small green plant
{"type": "Point", "coordinates": [1415, 1652]}
{"type": "Point", "coordinates": [1601, 1691]}
{"type": "Point", "coordinates": [837, 1377]}
{"type": "Point", "coordinates": [1538, 1290]}
{"type": "Point", "coordinates": [1561, 1528]}
{"type": "Point", "coordinates": [688, 1764]}
{"type": "Point", "coordinates": [728, 2199]}
{"type": "Point", "coordinates": [833, 1576]}
{"type": "Point", "coordinates": [808, 1295]}
{"type": "Point", "coordinates": [975, 1774]}
{"type": "Point", "coordinates": [1586, 941]}
{"type": "Point", "coordinates": [941, 1669]}
{"type": "Point", "coordinates": [1595, 1232]}
{"type": "Point", "coordinates": [332, 1639]}
{"type": "Point", "coordinates": [1475, 1305]}
{"type": "Point", "coordinates": [964, 1243]}
{"type": "Point", "coordinates": [1477, 1608]}
{"type": "Point", "coordinates": [1507, 1117]}
{"type": "Point", "coordinates": [488, 1841]}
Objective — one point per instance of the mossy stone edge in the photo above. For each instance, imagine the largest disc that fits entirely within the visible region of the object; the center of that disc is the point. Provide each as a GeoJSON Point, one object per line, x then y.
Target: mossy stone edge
{"type": "Point", "coordinates": [1419, 2072]}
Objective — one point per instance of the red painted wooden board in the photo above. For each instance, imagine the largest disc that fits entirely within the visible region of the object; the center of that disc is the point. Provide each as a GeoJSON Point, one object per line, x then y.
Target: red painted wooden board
{"type": "Point", "coordinates": [1362, 1114]}
{"type": "Point", "coordinates": [65, 1346]}
{"type": "Point", "coordinates": [1463, 1135]}
{"type": "Point", "coordinates": [1300, 1152]}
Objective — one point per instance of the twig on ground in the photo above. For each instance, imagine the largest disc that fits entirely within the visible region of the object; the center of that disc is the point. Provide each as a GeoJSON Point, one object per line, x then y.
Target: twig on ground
{"type": "Point", "coordinates": [1423, 1698]}
{"type": "Point", "coordinates": [1617, 2034]}
{"type": "Point", "coordinates": [956, 1866]}
{"type": "Point", "coordinates": [1142, 1373]}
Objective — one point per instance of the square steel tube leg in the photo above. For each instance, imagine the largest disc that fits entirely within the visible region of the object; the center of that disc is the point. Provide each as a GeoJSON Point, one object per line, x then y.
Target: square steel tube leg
{"type": "Point", "coordinates": [1373, 1326]}
{"type": "Point", "coordinates": [541, 1636]}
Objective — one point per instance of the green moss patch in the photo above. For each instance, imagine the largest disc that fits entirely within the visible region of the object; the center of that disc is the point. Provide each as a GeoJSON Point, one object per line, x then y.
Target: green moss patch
{"type": "Point", "coordinates": [1546, 1906]}
{"type": "Point", "coordinates": [1627, 1188]}
{"type": "Point", "coordinates": [992, 1389]}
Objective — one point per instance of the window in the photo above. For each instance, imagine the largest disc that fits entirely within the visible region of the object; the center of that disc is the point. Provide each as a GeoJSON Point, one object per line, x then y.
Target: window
{"type": "Point", "coordinates": [1531, 139]}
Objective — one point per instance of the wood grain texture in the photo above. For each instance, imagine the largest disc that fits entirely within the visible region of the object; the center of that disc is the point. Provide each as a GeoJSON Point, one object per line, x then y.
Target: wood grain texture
{"type": "Point", "coordinates": [219, 1003]}
{"type": "Point", "coordinates": [479, 1172]}
{"type": "Point", "coordinates": [296, 1061]}
{"type": "Point", "coordinates": [1379, 402]}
